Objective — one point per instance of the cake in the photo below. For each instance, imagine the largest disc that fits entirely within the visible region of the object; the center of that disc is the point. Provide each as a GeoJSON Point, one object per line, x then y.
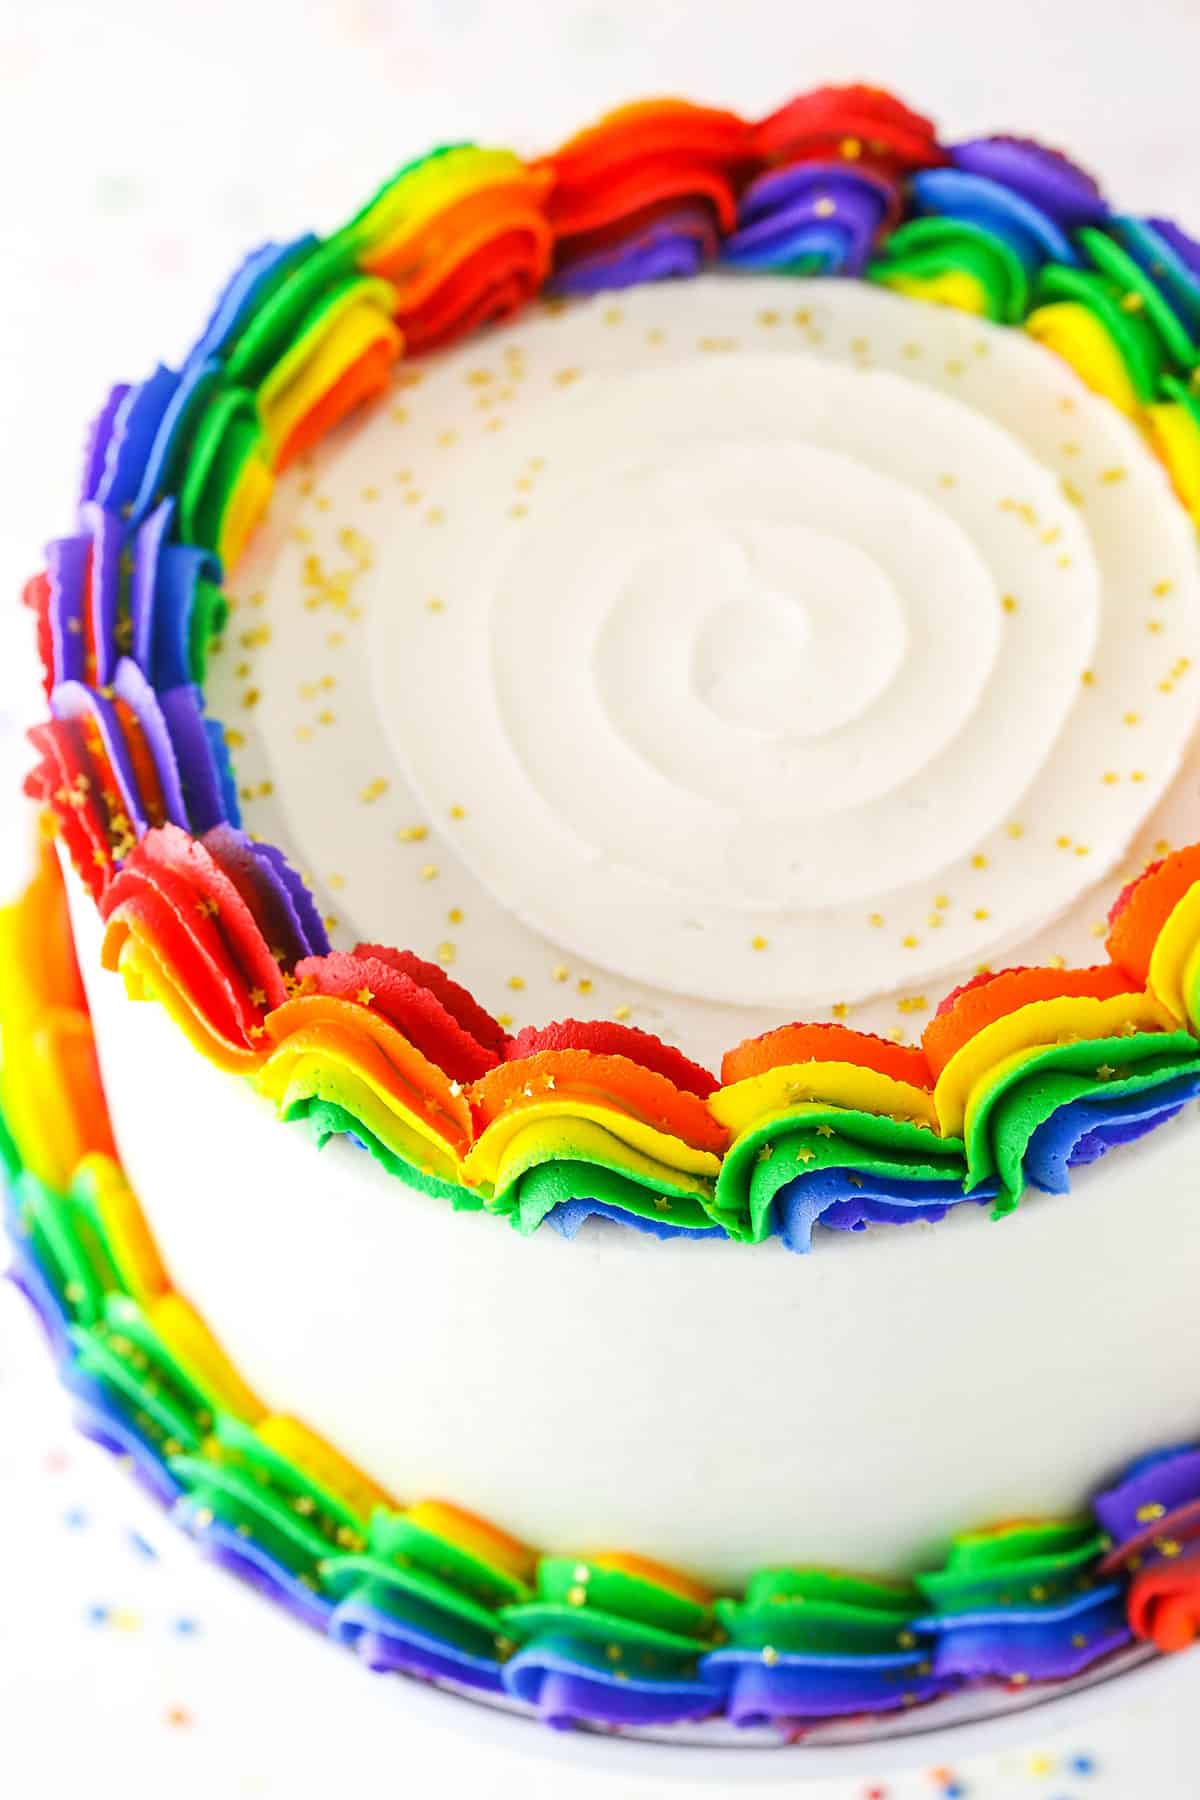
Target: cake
{"type": "Point", "coordinates": [728, 589]}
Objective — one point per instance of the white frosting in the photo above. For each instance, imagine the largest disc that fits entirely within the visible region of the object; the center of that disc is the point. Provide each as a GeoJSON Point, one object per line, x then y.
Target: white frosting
{"type": "Point", "coordinates": [717, 1406]}
{"type": "Point", "coordinates": [776, 642]}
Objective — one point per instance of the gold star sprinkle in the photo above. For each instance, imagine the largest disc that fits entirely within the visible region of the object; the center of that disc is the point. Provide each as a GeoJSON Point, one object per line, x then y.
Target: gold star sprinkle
{"type": "Point", "coordinates": [446, 952]}
{"type": "Point", "coordinates": [559, 972]}
{"type": "Point", "coordinates": [429, 872]}
{"type": "Point", "coordinates": [516, 982]}
{"type": "Point", "coordinates": [622, 1012]}
{"type": "Point", "coordinates": [364, 996]}
{"type": "Point", "coordinates": [455, 915]}
{"type": "Point", "coordinates": [758, 943]}
{"type": "Point", "coordinates": [412, 834]}
{"type": "Point", "coordinates": [585, 984]}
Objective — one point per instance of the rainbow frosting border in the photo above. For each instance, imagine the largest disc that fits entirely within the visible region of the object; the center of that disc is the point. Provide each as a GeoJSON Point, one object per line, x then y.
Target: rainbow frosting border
{"type": "Point", "coordinates": [1022, 1075]}
{"type": "Point", "coordinates": [604, 1639]}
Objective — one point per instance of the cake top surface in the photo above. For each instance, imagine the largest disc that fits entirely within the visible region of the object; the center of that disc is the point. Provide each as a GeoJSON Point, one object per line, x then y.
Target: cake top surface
{"type": "Point", "coordinates": [783, 647]}
{"type": "Point", "coordinates": [748, 656]}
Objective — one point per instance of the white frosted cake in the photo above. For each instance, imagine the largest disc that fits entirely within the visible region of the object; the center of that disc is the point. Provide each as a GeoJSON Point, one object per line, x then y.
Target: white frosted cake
{"type": "Point", "coordinates": [672, 661]}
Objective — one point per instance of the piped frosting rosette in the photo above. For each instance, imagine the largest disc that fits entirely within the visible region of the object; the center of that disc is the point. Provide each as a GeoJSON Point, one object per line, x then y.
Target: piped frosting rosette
{"type": "Point", "coordinates": [987, 223]}
{"type": "Point", "coordinates": [811, 1644]}
{"type": "Point", "coordinates": [1022, 1603]}
{"type": "Point", "coordinates": [428, 1589]}
{"type": "Point", "coordinates": [830, 1125]}
{"type": "Point", "coordinates": [1040, 1069]}
{"type": "Point", "coordinates": [382, 1044]}
{"type": "Point", "coordinates": [615, 1637]}
{"type": "Point", "coordinates": [1151, 1518]}
{"type": "Point", "coordinates": [597, 1119]}
{"type": "Point", "coordinates": [832, 186]}
{"type": "Point", "coordinates": [647, 192]}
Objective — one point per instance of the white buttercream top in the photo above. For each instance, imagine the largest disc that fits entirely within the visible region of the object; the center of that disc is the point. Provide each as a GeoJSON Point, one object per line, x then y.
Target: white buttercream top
{"type": "Point", "coordinates": [738, 650]}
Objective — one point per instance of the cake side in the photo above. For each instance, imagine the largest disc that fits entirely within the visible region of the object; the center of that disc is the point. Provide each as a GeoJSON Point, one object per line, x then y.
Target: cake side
{"type": "Point", "coordinates": [426, 1588]}
{"type": "Point", "coordinates": [719, 1412]}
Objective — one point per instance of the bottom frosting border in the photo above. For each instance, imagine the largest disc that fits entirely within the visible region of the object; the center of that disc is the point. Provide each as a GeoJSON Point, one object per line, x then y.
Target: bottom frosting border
{"type": "Point", "coordinates": [604, 1640]}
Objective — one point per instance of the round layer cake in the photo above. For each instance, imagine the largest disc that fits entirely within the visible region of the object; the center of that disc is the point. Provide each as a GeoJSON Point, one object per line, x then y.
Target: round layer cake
{"type": "Point", "coordinates": [673, 661]}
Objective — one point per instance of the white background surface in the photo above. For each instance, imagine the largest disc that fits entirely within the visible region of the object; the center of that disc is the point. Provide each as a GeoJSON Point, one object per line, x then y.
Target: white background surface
{"type": "Point", "coordinates": [144, 146]}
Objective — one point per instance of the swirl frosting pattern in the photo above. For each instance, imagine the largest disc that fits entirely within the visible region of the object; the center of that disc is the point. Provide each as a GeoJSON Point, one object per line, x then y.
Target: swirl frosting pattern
{"type": "Point", "coordinates": [1019, 1077]}
{"type": "Point", "coordinates": [832, 625]}
{"type": "Point", "coordinates": [429, 1590]}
